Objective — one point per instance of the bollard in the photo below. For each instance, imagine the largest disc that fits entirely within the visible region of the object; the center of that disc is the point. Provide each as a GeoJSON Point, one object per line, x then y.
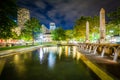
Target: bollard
{"type": "Point", "coordinates": [95, 50]}
{"type": "Point", "coordinates": [103, 51]}
{"type": "Point", "coordinates": [116, 54]}
{"type": "Point", "coordinates": [90, 49]}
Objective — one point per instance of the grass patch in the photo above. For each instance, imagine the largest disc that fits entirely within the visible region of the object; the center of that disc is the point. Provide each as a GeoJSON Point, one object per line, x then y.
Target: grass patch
{"type": "Point", "coordinates": [14, 47]}
{"type": "Point", "coordinates": [24, 46]}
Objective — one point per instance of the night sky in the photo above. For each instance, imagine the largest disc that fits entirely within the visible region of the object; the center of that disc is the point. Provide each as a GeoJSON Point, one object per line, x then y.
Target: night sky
{"type": "Point", "coordinates": [65, 12]}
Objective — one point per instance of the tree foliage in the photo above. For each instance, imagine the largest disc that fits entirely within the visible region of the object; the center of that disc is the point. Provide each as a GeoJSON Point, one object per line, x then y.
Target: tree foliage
{"type": "Point", "coordinates": [31, 29]}
{"type": "Point", "coordinates": [8, 10]}
{"type": "Point", "coordinates": [80, 26]}
{"type": "Point", "coordinates": [114, 22]}
{"type": "Point", "coordinates": [114, 16]}
{"type": "Point", "coordinates": [58, 34]}
{"type": "Point", "coordinates": [69, 35]}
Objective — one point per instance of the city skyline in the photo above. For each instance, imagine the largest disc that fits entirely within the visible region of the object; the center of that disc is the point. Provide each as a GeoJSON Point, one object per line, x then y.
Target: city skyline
{"type": "Point", "coordinates": [65, 12]}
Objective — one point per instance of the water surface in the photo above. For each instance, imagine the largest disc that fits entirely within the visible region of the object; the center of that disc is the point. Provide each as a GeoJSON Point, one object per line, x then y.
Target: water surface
{"type": "Point", "coordinates": [47, 63]}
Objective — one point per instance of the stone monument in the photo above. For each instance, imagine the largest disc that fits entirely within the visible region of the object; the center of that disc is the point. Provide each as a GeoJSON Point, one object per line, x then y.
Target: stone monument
{"type": "Point", "coordinates": [87, 32]}
{"type": "Point", "coordinates": [102, 26]}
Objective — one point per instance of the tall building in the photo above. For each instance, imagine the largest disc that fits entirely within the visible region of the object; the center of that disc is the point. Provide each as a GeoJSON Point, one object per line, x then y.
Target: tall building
{"type": "Point", "coordinates": [52, 26]}
{"type": "Point", "coordinates": [23, 15]}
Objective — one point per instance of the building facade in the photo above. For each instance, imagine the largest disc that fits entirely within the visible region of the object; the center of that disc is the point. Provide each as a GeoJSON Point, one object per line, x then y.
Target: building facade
{"type": "Point", "coordinates": [52, 26]}
{"type": "Point", "coordinates": [23, 15]}
{"type": "Point", "coordinates": [46, 35]}
{"type": "Point", "coordinates": [44, 29]}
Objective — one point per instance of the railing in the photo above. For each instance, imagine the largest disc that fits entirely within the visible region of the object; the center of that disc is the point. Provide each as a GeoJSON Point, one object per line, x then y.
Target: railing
{"type": "Point", "coordinates": [101, 49]}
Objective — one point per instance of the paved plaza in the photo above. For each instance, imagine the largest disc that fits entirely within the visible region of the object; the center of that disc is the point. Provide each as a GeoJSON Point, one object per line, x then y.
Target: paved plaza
{"type": "Point", "coordinates": [105, 63]}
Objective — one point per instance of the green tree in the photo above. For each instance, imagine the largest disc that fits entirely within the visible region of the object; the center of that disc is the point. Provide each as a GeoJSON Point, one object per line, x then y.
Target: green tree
{"type": "Point", "coordinates": [58, 34]}
{"type": "Point", "coordinates": [94, 28]}
{"type": "Point", "coordinates": [15, 33]}
{"type": "Point", "coordinates": [69, 35]}
{"type": "Point", "coordinates": [80, 27]}
{"type": "Point", "coordinates": [31, 30]}
{"type": "Point", "coordinates": [114, 18]}
{"type": "Point", "coordinates": [8, 10]}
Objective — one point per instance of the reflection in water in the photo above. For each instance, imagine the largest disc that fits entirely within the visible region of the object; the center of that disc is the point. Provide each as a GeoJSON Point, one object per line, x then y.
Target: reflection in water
{"type": "Point", "coordinates": [60, 52]}
{"type": "Point", "coordinates": [51, 59]}
{"type": "Point", "coordinates": [78, 56]}
{"type": "Point", "coordinates": [41, 55]}
{"type": "Point", "coordinates": [45, 49]}
{"type": "Point", "coordinates": [53, 49]}
{"type": "Point", "coordinates": [69, 50]}
{"type": "Point", "coordinates": [2, 63]}
{"type": "Point", "coordinates": [19, 64]}
{"type": "Point", "coordinates": [66, 51]}
{"type": "Point", "coordinates": [54, 65]}
{"type": "Point", "coordinates": [74, 52]}
{"type": "Point", "coordinates": [16, 59]}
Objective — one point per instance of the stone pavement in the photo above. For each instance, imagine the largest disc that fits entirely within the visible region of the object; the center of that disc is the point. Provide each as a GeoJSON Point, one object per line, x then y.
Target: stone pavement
{"type": "Point", "coordinates": [105, 63]}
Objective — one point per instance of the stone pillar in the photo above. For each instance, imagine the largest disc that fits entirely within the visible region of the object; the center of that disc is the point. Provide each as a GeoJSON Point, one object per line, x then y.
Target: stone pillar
{"type": "Point", "coordinates": [102, 26]}
{"type": "Point", "coordinates": [87, 32]}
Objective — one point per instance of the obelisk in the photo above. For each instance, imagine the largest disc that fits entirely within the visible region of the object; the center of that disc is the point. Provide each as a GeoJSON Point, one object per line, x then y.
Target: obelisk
{"type": "Point", "coordinates": [87, 32]}
{"type": "Point", "coordinates": [102, 26]}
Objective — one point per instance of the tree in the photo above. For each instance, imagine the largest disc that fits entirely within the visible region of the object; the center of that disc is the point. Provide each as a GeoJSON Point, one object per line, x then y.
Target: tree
{"type": "Point", "coordinates": [94, 28]}
{"type": "Point", "coordinates": [8, 10]}
{"type": "Point", "coordinates": [114, 18]}
{"type": "Point", "coordinates": [80, 27]}
{"type": "Point", "coordinates": [111, 29]}
{"type": "Point", "coordinates": [58, 34]}
{"type": "Point", "coordinates": [69, 34]}
{"type": "Point", "coordinates": [31, 29]}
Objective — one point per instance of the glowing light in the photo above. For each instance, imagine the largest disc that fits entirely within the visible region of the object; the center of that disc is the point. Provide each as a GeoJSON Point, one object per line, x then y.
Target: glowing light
{"type": "Point", "coordinates": [111, 31]}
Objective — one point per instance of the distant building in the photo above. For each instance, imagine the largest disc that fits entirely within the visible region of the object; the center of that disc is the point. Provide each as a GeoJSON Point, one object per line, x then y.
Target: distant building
{"type": "Point", "coordinates": [46, 33]}
{"type": "Point", "coordinates": [23, 15]}
{"type": "Point", "coordinates": [44, 29]}
{"type": "Point", "coordinates": [47, 37]}
{"type": "Point", "coordinates": [52, 26]}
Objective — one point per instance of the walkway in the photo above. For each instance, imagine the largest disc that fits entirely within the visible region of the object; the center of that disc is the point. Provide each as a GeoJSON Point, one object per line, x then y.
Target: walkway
{"type": "Point", "coordinates": [14, 51]}
{"type": "Point", "coordinates": [105, 63]}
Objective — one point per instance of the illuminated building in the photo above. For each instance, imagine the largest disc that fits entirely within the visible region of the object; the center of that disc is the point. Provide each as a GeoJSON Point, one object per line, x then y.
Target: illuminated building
{"type": "Point", "coordinates": [46, 33]}
{"type": "Point", "coordinates": [52, 26]}
{"type": "Point", "coordinates": [44, 29]}
{"type": "Point", "coordinates": [23, 15]}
